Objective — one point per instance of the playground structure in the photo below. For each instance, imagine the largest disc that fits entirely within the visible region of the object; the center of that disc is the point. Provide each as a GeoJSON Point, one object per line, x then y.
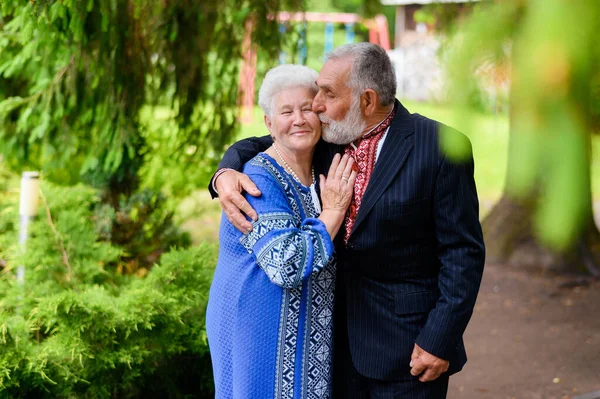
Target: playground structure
{"type": "Point", "coordinates": [378, 34]}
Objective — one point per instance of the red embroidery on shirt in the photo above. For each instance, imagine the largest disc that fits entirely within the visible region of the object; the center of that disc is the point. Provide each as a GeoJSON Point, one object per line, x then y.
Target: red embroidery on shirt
{"type": "Point", "coordinates": [364, 158]}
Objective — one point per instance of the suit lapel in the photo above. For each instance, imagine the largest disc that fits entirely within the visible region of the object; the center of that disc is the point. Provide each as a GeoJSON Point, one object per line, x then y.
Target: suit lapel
{"type": "Point", "coordinates": [323, 155]}
{"type": "Point", "coordinates": [396, 148]}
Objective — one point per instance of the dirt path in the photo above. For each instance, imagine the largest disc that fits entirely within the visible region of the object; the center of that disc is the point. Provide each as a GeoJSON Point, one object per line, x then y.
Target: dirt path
{"type": "Point", "coordinates": [532, 336]}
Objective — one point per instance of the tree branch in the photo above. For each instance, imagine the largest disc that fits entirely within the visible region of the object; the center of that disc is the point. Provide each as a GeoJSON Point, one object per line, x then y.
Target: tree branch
{"type": "Point", "coordinates": [65, 256]}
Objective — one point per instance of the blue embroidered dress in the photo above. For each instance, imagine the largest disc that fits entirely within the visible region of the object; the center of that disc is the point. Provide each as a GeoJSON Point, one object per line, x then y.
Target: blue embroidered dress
{"type": "Point", "coordinates": [270, 313]}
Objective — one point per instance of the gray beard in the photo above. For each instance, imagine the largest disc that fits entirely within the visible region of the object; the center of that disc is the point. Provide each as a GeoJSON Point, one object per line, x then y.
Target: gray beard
{"type": "Point", "coordinates": [348, 129]}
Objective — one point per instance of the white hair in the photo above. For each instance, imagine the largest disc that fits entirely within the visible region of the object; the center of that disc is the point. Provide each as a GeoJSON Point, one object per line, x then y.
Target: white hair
{"type": "Point", "coordinates": [371, 69]}
{"type": "Point", "coordinates": [283, 77]}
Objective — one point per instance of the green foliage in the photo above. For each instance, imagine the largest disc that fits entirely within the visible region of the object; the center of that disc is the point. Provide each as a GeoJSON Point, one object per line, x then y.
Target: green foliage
{"type": "Point", "coordinates": [551, 46]}
{"type": "Point", "coordinates": [367, 8]}
{"type": "Point", "coordinates": [77, 328]}
{"type": "Point", "coordinates": [75, 75]}
{"type": "Point", "coordinates": [143, 227]}
{"type": "Point", "coordinates": [122, 93]}
{"type": "Point", "coordinates": [442, 16]}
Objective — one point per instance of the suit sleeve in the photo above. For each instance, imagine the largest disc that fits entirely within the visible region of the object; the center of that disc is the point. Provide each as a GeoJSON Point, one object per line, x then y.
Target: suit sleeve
{"type": "Point", "coordinates": [461, 252]}
{"type": "Point", "coordinates": [238, 154]}
{"type": "Point", "coordinates": [288, 252]}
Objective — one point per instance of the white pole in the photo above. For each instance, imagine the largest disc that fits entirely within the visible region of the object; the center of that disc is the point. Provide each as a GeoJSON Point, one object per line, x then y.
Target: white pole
{"type": "Point", "coordinates": [30, 188]}
{"type": "Point", "coordinates": [400, 25]}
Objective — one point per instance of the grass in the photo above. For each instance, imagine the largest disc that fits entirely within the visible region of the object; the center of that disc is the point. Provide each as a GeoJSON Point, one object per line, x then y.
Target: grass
{"type": "Point", "coordinates": [201, 216]}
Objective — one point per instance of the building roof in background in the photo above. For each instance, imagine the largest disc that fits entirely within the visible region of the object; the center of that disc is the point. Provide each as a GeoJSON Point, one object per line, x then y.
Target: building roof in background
{"type": "Point", "coordinates": [407, 2]}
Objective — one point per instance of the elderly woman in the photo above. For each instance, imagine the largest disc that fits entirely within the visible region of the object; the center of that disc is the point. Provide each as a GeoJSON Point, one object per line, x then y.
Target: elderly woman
{"type": "Point", "coordinates": [269, 317]}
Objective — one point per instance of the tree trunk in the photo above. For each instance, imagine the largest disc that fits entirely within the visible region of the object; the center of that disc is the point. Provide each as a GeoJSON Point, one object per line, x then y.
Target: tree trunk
{"type": "Point", "coordinates": [509, 236]}
{"type": "Point", "coordinates": [509, 228]}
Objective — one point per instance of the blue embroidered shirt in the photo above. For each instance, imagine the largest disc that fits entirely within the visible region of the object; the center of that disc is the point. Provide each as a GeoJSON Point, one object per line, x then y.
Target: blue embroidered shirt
{"type": "Point", "coordinates": [270, 313]}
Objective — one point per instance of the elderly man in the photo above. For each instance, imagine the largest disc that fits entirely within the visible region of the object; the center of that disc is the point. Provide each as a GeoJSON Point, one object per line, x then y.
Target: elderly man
{"type": "Point", "coordinates": [411, 254]}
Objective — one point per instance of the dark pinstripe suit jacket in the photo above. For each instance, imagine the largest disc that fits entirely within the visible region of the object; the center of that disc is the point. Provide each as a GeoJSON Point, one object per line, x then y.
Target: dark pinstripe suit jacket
{"type": "Point", "coordinates": [413, 265]}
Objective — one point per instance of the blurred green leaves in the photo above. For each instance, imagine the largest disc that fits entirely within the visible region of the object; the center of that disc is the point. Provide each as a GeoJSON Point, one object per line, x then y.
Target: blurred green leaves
{"type": "Point", "coordinates": [76, 75]}
{"type": "Point", "coordinates": [552, 48]}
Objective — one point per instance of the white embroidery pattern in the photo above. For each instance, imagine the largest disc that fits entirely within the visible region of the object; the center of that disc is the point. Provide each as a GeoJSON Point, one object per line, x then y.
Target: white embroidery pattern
{"type": "Point", "coordinates": [318, 340]}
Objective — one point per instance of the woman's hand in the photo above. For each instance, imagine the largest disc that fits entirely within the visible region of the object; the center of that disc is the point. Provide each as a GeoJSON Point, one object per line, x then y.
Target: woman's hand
{"type": "Point", "coordinates": [336, 192]}
{"type": "Point", "coordinates": [338, 186]}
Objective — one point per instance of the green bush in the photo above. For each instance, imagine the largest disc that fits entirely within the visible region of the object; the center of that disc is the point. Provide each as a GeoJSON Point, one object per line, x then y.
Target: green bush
{"type": "Point", "coordinates": [143, 227]}
{"type": "Point", "coordinates": [77, 328]}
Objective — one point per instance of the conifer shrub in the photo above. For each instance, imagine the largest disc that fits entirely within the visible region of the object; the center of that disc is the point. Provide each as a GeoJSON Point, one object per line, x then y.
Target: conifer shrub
{"type": "Point", "coordinates": [79, 328]}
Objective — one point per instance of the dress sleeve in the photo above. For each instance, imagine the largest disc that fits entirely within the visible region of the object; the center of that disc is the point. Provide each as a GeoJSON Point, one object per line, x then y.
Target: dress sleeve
{"type": "Point", "coordinates": [287, 251]}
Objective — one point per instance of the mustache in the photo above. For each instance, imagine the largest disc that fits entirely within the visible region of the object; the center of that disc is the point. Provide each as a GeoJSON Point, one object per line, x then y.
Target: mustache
{"type": "Point", "coordinates": [325, 119]}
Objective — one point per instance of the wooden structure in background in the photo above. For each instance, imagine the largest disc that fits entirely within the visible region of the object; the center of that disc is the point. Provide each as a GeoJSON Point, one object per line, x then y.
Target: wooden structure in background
{"type": "Point", "coordinates": [378, 34]}
{"type": "Point", "coordinates": [405, 12]}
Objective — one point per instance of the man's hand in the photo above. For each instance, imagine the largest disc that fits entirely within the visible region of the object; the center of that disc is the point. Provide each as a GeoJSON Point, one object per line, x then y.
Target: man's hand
{"type": "Point", "coordinates": [230, 185]}
{"type": "Point", "coordinates": [424, 362]}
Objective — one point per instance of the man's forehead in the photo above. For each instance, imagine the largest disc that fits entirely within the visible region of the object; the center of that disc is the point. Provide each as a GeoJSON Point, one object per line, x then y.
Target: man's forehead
{"type": "Point", "coordinates": [333, 71]}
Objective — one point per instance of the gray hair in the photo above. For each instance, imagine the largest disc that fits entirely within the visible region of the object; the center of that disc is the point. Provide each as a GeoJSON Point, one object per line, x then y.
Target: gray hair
{"type": "Point", "coordinates": [371, 69]}
{"type": "Point", "coordinates": [283, 77]}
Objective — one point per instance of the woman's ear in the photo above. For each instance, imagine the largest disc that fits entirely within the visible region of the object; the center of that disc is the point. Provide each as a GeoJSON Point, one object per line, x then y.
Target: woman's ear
{"type": "Point", "coordinates": [268, 124]}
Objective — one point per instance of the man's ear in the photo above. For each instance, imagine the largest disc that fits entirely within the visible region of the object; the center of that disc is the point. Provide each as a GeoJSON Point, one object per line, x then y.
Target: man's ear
{"type": "Point", "coordinates": [368, 101]}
